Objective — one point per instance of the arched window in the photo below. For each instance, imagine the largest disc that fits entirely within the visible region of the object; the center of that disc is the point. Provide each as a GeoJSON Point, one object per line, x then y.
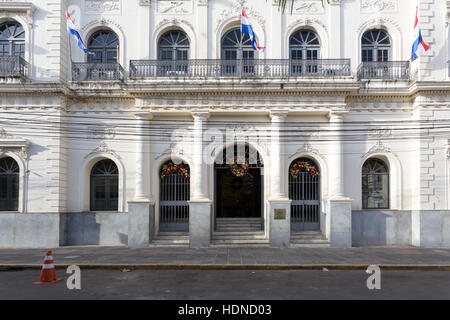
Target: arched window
{"type": "Point", "coordinates": [376, 46]}
{"type": "Point", "coordinates": [304, 45]}
{"type": "Point", "coordinates": [104, 186]}
{"type": "Point", "coordinates": [304, 191]}
{"type": "Point", "coordinates": [173, 45]}
{"type": "Point", "coordinates": [9, 184]}
{"type": "Point", "coordinates": [105, 46]}
{"type": "Point", "coordinates": [375, 184]}
{"type": "Point", "coordinates": [174, 194]}
{"type": "Point", "coordinates": [237, 45]}
{"type": "Point", "coordinates": [12, 39]}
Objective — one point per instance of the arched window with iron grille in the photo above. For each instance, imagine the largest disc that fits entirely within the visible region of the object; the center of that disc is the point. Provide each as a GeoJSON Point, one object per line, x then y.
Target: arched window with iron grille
{"type": "Point", "coordinates": [104, 186]}
{"type": "Point", "coordinates": [105, 46]}
{"type": "Point", "coordinates": [174, 194]}
{"type": "Point", "coordinates": [173, 45]}
{"type": "Point", "coordinates": [237, 53]}
{"type": "Point", "coordinates": [173, 53]}
{"type": "Point", "coordinates": [9, 184]}
{"type": "Point", "coordinates": [375, 184]}
{"type": "Point", "coordinates": [304, 191]}
{"type": "Point", "coordinates": [304, 48]}
{"type": "Point", "coordinates": [376, 46]}
{"type": "Point", "coordinates": [12, 39]}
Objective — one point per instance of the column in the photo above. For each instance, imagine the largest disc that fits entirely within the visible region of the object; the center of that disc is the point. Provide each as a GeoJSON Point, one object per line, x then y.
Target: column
{"type": "Point", "coordinates": [141, 209]}
{"type": "Point", "coordinates": [339, 217]}
{"type": "Point", "coordinates": [279, 203]}
{"type": "Point", "coordinates": [142, 191]}
{"type": "Point", "coordinates": [200, 204]}
{"type": "Point", "coordinates": [335, 29]}
{"type": "Point", "coordinates": [203, 40]}
{"type": "Point", "coordinates": [276, 34]}
{"type": "Point", "coordinates": [337, 154]}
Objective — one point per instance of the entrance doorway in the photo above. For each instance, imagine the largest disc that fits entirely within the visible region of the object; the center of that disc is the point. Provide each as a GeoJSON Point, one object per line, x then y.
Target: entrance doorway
{"type": "Point", "coordinates": [239, 183]}
{"type": "Point", "coordinates": [238, 197]}
{"type": "Point", "coordinates": [304, 191]}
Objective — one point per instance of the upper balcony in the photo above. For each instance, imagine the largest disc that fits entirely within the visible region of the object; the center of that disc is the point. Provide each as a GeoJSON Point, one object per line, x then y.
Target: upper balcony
{"type": "Point", "coordinates": [97, 71]}
{"type": "Point", "coordinates": [14, 66]}
{"type": "Point", "coordinates": [255, 68]}
{"type": "Point", "coordinates": [388, 70]}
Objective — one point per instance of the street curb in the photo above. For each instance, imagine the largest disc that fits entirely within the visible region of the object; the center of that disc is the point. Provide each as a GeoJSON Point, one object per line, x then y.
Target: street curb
{"type": "Point", "coordinates": [94, 266]}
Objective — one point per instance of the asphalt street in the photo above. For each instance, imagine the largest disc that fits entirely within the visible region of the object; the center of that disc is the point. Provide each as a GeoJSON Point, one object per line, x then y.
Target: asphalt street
{"type": "Point", "coordinates": [227, 284]}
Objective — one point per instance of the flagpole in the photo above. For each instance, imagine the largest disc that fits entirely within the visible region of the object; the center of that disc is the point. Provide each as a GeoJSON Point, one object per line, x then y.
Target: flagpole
{"type": "Point", "coordinates": [70, 49]}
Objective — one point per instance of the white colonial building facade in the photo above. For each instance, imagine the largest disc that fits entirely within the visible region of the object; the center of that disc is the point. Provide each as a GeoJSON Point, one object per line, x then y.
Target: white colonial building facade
{"type": "Point", "coordinates": [175, 131]}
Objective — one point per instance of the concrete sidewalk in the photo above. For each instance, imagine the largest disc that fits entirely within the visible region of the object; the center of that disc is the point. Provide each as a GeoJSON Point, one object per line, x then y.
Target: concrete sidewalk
{"type": "Point", "coordinates": [231, 258]}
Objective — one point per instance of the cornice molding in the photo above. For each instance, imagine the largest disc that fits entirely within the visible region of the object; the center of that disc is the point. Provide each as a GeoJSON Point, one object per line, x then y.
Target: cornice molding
{"type": "Point", "coordinates": [24, 9]}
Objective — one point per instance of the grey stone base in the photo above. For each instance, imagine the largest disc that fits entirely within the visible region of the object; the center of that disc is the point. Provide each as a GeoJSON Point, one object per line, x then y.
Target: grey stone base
{"type": "Point", "coordinates": [279, 227]}
{"type": "Point", "coordinates": [199, 223]}
{"type": "Point", "coordinates": [140, 223]}
{"type": "Point", "coordinates": [340, 222]}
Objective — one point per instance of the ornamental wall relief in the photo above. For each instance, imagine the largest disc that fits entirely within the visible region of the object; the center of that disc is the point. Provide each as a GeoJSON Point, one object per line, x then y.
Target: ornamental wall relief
{"type": "Point", "coordinates": [175, 7]}
{"type": "Point", "coordinates": [102, 6]}
{"type": "Point", "coordinates": [235, 12]}
{"type": "Point", "coordinates": [308, 7]}
{"type": "Point", "coordinates": [371, 6]}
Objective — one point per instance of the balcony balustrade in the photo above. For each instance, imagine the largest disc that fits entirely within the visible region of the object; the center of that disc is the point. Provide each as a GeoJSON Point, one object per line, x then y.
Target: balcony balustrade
{"type": "Point", "coordinates": [96, 71]}
{"type": "Point", "coordinates": [390, 70]}
{"type": "Point", "coordinates": [142, 69]}
{"type": "Point", "coordinates": [13, 66]}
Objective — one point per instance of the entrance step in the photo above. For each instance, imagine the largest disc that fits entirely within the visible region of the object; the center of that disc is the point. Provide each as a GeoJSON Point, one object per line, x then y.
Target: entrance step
{"type": "Point", "coordinates": [308, 239]}
{"type": "Point", "coordinates": [239, 238]}
{"type": "Point", "coordinates": [247, 235]}
{"type": "Point", "coordinates": [239, 224]}
{"type": "Point", "coordinates": [240, 243]}
{"type": "Point", "coordinates": [171, 239]}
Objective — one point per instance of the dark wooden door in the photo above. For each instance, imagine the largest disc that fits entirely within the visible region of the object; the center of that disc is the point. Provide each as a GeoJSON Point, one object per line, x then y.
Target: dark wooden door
{"type": "Point", "coordinates": [238, 197]}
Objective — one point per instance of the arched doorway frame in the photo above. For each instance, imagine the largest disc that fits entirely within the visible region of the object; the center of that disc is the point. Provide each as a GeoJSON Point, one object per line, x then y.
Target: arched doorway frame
{"type": "Point", "coordinates": [265, 179]}
{"type": "Point", "coordinates": [323, 191]}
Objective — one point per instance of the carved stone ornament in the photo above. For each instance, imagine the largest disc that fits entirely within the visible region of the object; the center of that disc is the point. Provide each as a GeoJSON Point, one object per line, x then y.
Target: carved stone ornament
{"type": "Point", "coordinates": [371, 6]}
{"type": "Point", "coordinates": [14, 144]}
{"type": "Point", "coordinates": [174, 22]}
{"type": "Point", "coordinates": [103, 148]}
{"type": "Point", "coordinates": [235, 12]}
{"type": "Point", "coordinates": [100, 132]}
{"type": "Point", "coordinates": [145, 3]}
{"type": "Point", "coordinates": [174, 149]}
{"type": "Point", "coordinates": [8, 9]}
{"type": "Point", "coordinates": [307, 149]}
{"type": "Point", "coordinates": [308, 7]}
{"type": "Point", "coordinates": [101, 21]}
{"type": "Point", "coordinates": [102, 6]}
{"type": "Point", "coordinates": [175, 7]}
{"type": "Point", "coordinates": [379, 147]}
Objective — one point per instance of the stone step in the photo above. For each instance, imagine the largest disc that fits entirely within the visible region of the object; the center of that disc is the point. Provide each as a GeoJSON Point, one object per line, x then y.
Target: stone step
{"type": "Point", "coordinates": [239, 233]}
{"type": "Point", "coordinates": [170, 242]}
{"type": "Point", "coordinates": [245, 237]}
{"type": "Point", "coordinates": [310, 245]}
{"type": "Point", "coordinates": [240, 241]}
{"type": "Point", "coordinates": [233, 229]}
{"type": "Point", "coordinates": [250, 225]}
{"type": "Point", "coordinates": [295, 237]}
{"type": "Point", "coordinates": [174, 238]}
{"type": "Point", "coordinates": [238, 219]}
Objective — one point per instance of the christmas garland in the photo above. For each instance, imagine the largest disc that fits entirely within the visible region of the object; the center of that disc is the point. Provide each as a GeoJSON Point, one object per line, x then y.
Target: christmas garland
{"type": "Point", "coordinates": [238, 170]}
{"type": "Point", "coordinates": [299, 165]}
{"type": "Point", "coordinates": [170, 167]}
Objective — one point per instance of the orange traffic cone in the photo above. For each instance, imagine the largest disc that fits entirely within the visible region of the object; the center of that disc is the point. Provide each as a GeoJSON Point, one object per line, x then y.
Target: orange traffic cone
{"type": "Point", "coordinates": [48, 274]}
